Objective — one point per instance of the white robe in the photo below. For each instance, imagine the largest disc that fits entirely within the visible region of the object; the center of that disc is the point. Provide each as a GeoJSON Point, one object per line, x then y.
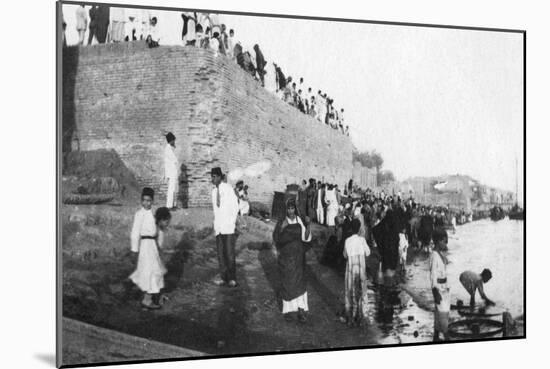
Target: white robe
{"type": "Point", "coordinates": [225, 216]}
{"type": "Point", "coordinates": [149, 274]}
{"type": "Point", "coordinates": [270, 80]}
{"type": "Point", "coordinates": [332, 209]}
{"type": "Point", "coordinates": [320, 210]}
{"type": "Point", "coordinates": [244, 206]}
{"type": "Point", "coordinates": [171, 174]}
{"type": "Point", "coordinates": [438, 270]}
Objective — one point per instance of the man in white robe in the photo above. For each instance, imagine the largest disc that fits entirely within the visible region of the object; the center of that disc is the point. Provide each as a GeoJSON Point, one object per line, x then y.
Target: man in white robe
{"type": "Point", "coordinates": [118, 21]}
{"type": "Point", "coordinates": [81, 23]}
{"type": "Point", "coordinates": [231, 44]}
{"type": "Point", "coordinates": [171, 171]}
{"type": "Point", "coordinates": [133, 28]}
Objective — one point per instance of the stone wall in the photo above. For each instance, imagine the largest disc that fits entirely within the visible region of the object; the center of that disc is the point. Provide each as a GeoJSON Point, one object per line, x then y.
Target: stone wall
{"type": "Point", "coordinates": [126, 97]}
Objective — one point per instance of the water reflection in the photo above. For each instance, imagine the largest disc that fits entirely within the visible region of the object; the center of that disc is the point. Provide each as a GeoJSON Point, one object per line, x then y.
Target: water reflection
{"type": "Point", "coordinates": [482, 244]}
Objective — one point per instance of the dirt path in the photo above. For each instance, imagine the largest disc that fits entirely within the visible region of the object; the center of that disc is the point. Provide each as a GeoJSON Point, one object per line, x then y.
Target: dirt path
{"type": "Point", "coordinates": [216, 320]}
{"type": "Point", "coordinates": [199, 314]}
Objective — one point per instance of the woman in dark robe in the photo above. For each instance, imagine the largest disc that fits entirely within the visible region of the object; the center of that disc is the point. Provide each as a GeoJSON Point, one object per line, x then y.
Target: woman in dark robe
{"type": "Point", "coordinates": [425, 230]}
{"type": "Point", "coordinates": [439, 234]}
{"type": "Point", "coordinates": [102, 25]}
{"type": "Point", "coordinates": [289, 236]}
{"type": "Point", "coordinates": [386, 235]}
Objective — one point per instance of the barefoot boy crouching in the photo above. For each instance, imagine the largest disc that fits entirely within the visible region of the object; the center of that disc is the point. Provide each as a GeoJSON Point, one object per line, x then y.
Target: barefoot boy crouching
{"type": "Point", "coordinates": [146, 238]}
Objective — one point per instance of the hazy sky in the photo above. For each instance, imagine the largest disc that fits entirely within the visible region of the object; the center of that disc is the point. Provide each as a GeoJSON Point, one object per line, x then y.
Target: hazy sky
{"type": "Point", "coordinates": [431, 100]}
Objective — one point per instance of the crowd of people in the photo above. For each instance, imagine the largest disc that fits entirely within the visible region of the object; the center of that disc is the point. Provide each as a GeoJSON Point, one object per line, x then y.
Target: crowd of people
{"type": "Point", "coordinates": [317, 105]}
{"type": "Point", "coordinates": [361, 226]}
{"type": "Point", "coordinates": [204, 30]}
{"type": "Point", "coordinates": [364, 223]}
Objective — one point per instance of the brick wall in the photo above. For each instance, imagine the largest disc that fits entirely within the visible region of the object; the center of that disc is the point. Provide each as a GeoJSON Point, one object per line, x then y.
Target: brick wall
{"type": "Point", "coordinates": [126, 97]}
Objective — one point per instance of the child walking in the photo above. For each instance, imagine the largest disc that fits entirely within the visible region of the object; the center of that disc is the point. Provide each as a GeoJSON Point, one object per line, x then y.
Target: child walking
{"type": "Point", "coordinates": [146, 238]}
{"type": "Point", "coordinates": [356, 251]}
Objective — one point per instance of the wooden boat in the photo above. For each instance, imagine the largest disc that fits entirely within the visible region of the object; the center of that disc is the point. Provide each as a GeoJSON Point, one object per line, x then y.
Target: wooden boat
{"type": "Point", "coordinates": [497, 213]}
{"type": "Point", "coordinates": [516, 213]}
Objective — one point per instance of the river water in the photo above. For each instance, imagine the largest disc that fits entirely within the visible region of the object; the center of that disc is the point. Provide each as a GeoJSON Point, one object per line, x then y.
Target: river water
{"type": "Point", "coordinates": [494, 245]}
{"type": "Point", "coordinates": [474, 246]}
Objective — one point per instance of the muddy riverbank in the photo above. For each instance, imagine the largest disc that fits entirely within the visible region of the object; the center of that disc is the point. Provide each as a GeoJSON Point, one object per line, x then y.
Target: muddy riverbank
{"type": "Point", "coordinates": [215, 320]}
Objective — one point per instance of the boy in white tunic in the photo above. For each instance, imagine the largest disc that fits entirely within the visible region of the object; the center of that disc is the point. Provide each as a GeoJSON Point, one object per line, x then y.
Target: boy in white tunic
{"type": "Point", "coordinates": [146, 237]}
{"type": "Point", "coordinates": [171, 171]}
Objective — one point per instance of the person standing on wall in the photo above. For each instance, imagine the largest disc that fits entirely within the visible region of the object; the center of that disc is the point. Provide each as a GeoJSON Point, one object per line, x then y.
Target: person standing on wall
{"type": "Point", "coordinates": [93, 23]}
{"type": "Point", "coordinates": [171, 171]}
{"type": "Point", "coordinates": [260, 63]}
{"type": "Point", "coordinates": [81, 23]}
{"type": "Point", "coordinates": [102, 23]}
{"type": "Point", "coordinates": [118, 16]}
{"type": "Point", "coordinates": [188, 33]}
{"type": "Point", "coordinates": [153, 38]}
{"type": "Point", "coordinates": [231, 44]}
{"type": "Point", "coordinates": [226, 208]}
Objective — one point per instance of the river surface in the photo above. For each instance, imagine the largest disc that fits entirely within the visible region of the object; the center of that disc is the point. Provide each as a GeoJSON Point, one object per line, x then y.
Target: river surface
{"type": "Point", "coordinates": [474, 246]}
{"type": "Point", "coordinates": [494, 245]}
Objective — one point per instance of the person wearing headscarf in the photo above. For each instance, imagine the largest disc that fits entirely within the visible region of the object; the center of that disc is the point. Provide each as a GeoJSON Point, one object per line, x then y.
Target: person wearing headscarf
{"type": "Point", "coordinates": [260, 63]}
{"type": "Point", "coordinates": [440, 290]}
{"type": "Point", "coordinates": [171, 171]}
{"type": "Point", "coordinates": [289, 237]}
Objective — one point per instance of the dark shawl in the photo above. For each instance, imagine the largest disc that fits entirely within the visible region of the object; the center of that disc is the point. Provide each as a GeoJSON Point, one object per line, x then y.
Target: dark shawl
{"type": "Point", "coordinates": [301, 203]}
{"type": "Point", "coordinates": [260, 61]}
{"type": "Point", "coordinates": [425, 229]}
{"type": "Point", "coordinates": [291, 260]}
{"type": "Point", "coordinates": [386, 235]}
{"type": "Point", "coordinates": [311, 192]}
